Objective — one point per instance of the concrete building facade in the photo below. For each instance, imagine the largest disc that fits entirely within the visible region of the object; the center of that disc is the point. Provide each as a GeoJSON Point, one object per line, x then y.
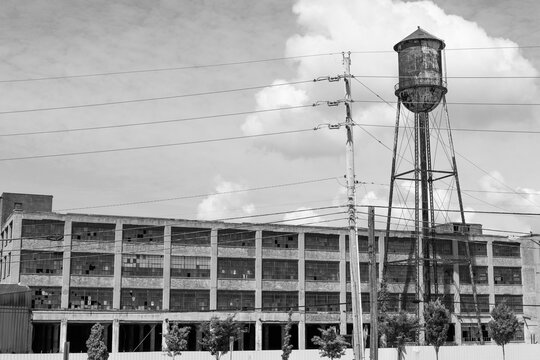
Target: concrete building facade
{"type": "Point", "coordinates": [135, 274]}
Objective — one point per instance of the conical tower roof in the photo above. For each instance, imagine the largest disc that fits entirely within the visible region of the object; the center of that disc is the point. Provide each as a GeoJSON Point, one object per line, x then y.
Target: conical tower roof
{"type": "Point", "coordinates": [419, 34]}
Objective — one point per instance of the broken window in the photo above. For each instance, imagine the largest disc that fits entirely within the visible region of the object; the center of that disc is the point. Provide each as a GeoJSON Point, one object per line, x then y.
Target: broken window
{"type": "Point", "coordinates": [480, 274]}
{"type": "Point", "coordinates": [236, 268]}
{"type": "Point", "coordinates": [271, 239]}
{"type": "Point", "coordinates": [91, 298]}
{"type": "Point", "coordinates": [476, 248]}
{"type": "Point", "coordinates": [93, 264]}
{"type": "Point", "coordinates": [46, 297]}
{"type": "Point", "coordinates": [142, 265]}
{"type": "Point", "coordinates": [190, 267]}
{"type": "Point", "coordinates": [142, 234]}
{"type": "Point", "coordinates": [93, 231]}
{"type": "Point", "coordinates": [279, 300]}
{"type": "Point", "coordinates": [236, 238]}
{"type": "Point", "coordinates": [141, 299]}
{"type": "Point", "coordinates": [507, 275]}
{"type": "Point", "coordinates": [43, 229]}
{"type": "Point", "coordinates": [41, 262]}
{"type": "Point", "coordinates": [190, 236]}
{"type": "Point", "coordinates": [322, 270]}
{"type": "Point", "coordinates": [235, 300]}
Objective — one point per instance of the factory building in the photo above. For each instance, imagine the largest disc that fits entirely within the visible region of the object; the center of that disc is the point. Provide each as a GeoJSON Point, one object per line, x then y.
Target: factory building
{"type": "Point", "coordinates": [135, 274]}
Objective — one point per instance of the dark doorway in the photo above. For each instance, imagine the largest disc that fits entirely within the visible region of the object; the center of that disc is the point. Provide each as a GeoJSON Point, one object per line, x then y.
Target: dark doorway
{"type": "Point", "coordinates": [140, 337]}
{"type": "Point", "coordinates": [273, 335]}
{"type": "Point", "coordinates": [78, 333]}
{"type": "Point", "coordinates": [313, 330]}
{"type": "Point", "coordinates": [45, 337]}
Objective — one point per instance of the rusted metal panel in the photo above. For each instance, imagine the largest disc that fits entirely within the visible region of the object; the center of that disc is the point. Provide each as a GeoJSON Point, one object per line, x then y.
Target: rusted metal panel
{"type": "Point", "coordinates": [15, 330]}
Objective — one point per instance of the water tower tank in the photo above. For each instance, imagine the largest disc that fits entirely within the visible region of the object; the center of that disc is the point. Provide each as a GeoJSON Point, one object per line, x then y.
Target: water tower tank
{"type": "Point", "coordinates": [421, 85]}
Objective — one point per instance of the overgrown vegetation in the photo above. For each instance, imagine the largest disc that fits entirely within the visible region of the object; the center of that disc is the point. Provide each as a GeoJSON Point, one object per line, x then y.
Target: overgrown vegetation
{"type": "Point", "coordinates": [97, 349]}
{"type": "Point", "coordinates": [286, 348]}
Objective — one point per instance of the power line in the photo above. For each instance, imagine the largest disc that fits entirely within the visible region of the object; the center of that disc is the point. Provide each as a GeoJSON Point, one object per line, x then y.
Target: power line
{"type": "Point", "coordinates": [451, 77]}
{"type": "Point", "coordinates": [527, 132]}
{"type": "Point", "coordinates": [204, 141]}
{"type": "Point", "coordinates": [241, 62]}
{"type": "Point", "coordinates": [177, 68]}
{"type": "Point", "coordinates": [157, 122]}
{"type": "Point", "coordinates": [202, 195]}
{"type": "Point", "coordinates": [153, 98]}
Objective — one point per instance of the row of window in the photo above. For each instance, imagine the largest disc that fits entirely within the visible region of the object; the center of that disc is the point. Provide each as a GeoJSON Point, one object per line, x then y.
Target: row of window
{"type": "Point", "coordinates": [98, 264]}
{"type": "Point", "coordinates": [199, 300]}
{"type": "Point", "coordinates": [54, 230]}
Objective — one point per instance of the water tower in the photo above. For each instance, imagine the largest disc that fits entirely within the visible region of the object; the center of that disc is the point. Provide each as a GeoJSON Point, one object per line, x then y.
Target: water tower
{"type": "Point", "coordinates": [423, 162]}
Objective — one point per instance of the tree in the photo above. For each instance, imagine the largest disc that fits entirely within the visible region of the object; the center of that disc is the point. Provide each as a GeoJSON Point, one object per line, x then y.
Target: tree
{"type": "Point", "coordinates": [331, 344]}
{"type": "Point", "coordinates": [399, 329]}
{"type": "Point", "coordinates": [503, 326]}
{"type": "Point", "coordinates": [216, 335]}
{"type": "Point", "coordinates": [437, 319]}
{"type": "Point", "coordinates": [287, 346]}
{"type": "Point", "coordinates": [97, 349]}
{"type": "Point", "coordinates": [176, 339]}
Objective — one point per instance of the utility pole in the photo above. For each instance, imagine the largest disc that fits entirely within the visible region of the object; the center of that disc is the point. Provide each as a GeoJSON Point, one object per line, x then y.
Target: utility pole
{"type": "Point", "coordinates": [358, 335]}
{"type": "Point", "coordinates": [374, 331]}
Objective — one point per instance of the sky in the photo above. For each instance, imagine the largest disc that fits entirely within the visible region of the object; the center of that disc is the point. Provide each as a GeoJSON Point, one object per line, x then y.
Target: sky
{"type": "Point", "coordinates": [214, 99]}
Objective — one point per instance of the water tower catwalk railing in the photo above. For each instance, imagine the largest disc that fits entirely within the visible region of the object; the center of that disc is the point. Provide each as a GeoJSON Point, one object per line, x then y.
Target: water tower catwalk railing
{"type": "Point", "coordinates": [421, 89]}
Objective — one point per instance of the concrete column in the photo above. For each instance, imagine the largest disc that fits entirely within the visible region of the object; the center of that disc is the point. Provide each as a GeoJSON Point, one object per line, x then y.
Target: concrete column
{"type": "Point", "coordinates": [258, 335]}
{"type": "Point", "coordinates": [66, 266]}
{"type": "Point", "coordinates": [213, 269]}
{"type": "Point", "coordinates": [258, 270]}
{"type": "Point", "coordinates": [63, 334]}
{"type": "Point", "coordinates": [115, 336]}
{"type": "Point", "coordinates": [457, 304]}
{"type": "Point", "coordinates": [16, 235]}
{"type": "Point", "coordinates": [117, 281]}
{"type": "Point", "coordinates": [302, 291]}
{"type": "Point", "coordinates": [342, 285]}
{"type": "Point", "coordinates": [491, 276]}
{"type": "Point", "coordinates": [167, 267]}
{"type": "Point", "coordinates": [258, 290]}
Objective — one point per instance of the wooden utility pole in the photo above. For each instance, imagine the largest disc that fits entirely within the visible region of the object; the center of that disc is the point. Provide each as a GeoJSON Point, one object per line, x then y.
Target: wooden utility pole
{"type": "Point", "coordinates": [373, 284]}
{"type": "Point", "coordinates": [358, 331]}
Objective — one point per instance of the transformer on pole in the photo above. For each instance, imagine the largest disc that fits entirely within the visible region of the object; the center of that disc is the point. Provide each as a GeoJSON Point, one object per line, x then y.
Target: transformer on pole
{"type": "Point", "coordinates": [423, 155]}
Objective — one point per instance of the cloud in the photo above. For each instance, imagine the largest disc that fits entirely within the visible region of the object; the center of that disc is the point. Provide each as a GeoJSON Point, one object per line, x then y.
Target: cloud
{"type": "Point", "coordinates": [228, 201]}
{"type": "Point", "coordinates": [302, 216]}
{"type": "Point", "coordinates": [505, 199]}
{"type": "Point", "coordinates": [364, 25]}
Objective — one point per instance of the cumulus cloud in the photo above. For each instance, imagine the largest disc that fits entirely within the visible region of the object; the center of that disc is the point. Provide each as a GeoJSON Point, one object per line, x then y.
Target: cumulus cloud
{"type": "Point", "coordinates": [505, 199]}
{"type": "Point", "coordinates": [228, 201]}
{"type": "Point", "coordinates": [361, 25]}
{"type": "Point", "coordinates": [301, 216]}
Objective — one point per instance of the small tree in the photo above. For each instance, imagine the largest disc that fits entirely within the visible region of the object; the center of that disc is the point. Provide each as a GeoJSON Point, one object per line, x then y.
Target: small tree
{"type": "Point", "coordinates": [287, 346]}
{"type": "Point", "coordinates": [97, 349]}
{"type": "Point", "coordinates": [331, 344]}
{"type": "Point", "coordinates": [176, 340]}
{"type": "Point", "coordinates": [399, 329]}
{"type": "Point", "coordinates": [503, 326]}
{"type": "Point", "coordinates": [217, 333]}
{"type": "Point", "coordinates": [437, 319]}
